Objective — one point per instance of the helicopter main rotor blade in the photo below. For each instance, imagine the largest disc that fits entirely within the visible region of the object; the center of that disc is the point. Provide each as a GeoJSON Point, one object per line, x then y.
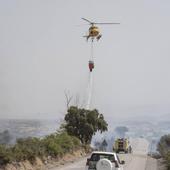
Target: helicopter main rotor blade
{"type": "Point", "coordinates": [100, 23]}
{"type": "Point", "coordinates": [87, 20]}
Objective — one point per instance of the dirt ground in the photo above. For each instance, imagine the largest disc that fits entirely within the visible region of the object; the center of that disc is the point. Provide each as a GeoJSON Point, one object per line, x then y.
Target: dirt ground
{"type": "Point", "coordinates": [151, 164]}
{"type": "Point", "coordinates": [161, 165]}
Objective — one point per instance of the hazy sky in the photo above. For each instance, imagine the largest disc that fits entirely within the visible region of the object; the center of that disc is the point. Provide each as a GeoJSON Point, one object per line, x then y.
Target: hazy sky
{"type": "Point", "coordinates": [43, 54]}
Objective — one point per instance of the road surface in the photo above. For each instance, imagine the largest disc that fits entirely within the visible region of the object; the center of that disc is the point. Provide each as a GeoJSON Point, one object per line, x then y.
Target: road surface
{"type": "Point", "coordinates": [78, 165]}
{"type": "Point", "coordinates": [136, 161]}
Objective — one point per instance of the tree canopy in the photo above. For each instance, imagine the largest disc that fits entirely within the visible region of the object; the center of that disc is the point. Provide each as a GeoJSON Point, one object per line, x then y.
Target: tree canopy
{"type": "Point", "coordinates": [84, 123]}
{"type": "Point", "coordinates": [164, 149]}
{"type": "Point", "coordinates": [164, 145]}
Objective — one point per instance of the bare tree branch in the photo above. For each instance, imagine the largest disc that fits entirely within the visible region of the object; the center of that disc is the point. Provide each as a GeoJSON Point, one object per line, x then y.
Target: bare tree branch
{"type": "Point", "coordinates": [77, 100]}
{"type": "Point", "coordinates": [68, 98]}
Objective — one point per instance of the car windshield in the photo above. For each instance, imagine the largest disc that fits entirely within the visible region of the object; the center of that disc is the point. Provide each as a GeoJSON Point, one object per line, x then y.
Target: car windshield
{"type": "Point", "coordinates": [97, 157]}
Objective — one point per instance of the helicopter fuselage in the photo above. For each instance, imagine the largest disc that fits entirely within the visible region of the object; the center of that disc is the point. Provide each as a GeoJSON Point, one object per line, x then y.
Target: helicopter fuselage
{"type": "Point", "coordinates": [93, 31]}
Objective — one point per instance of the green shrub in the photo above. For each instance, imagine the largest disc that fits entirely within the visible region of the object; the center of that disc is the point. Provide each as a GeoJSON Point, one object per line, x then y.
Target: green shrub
{"type": "Point", "coordinates": [65, 142]}
{"type": "Point", "coordinates": [28, 149]}
{"type": "Point", "coordinates": [22, 153]}
{"type": "Point", "coordinates": [167, 160]}
{"type": "Point", "coordinates": [164, 149]}
{"type": "Point", "coordinates": [76, 142]}
{"type": "Point", "coordinates": [53, 148]}
{"type": "Point", "coordinates": [54, 145]}
{"type": "Point", "coordinates": [164, 145]}
{"type": "Point", "coordinates": [6, 155]}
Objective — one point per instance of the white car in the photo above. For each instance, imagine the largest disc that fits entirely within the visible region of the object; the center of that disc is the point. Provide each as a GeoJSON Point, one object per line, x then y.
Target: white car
{"type": "Point", "coordinates": [104, 161]}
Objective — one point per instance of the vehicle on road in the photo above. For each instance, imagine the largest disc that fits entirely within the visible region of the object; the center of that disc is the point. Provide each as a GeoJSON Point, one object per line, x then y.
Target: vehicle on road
{"type": "Point", "coordinates": [122, 145]}
{"type": "Point", "coordinates": [104, 161]}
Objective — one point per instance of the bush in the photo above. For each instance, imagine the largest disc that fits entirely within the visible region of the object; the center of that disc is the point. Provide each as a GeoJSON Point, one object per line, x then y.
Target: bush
{"type": "Point", "coordinates": [55, 145]}
{"type": "Point", "coordinates": [54, 149]}
{"type": "Point", "coordinates": [76, 142]}
{"type": "Point", "coordinates": [164, 145]}
{"type": "Point", "coordinates": [164, 149]}
{"type": "Point", "coordinates": [65, 142]}
{"type": "Point", "coordinates": [6, 156]}
{"type": "Point", "coordinates": [51, 146]}
{"type": "Point", "coordinates": [28, 149]}
{"type": "Point", "coordinates": [61, 143]}
{"type": "Point", "coordinates": [167, 160]}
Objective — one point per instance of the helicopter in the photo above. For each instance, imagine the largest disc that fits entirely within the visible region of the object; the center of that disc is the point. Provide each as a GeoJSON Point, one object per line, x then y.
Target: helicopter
{"type": "Point", "coordinates": [94, 31]}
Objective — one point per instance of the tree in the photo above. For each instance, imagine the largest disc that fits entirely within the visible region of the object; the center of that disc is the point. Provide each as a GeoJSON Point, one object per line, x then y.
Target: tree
{"type": "Point", "coordinates": [68, 98]}
{"type": "Point", "coordinates": [164, 149]}
{"type": "Point", "coordinates": [84, 123]}
{"type": "Point", "coordinates": [164, 145]}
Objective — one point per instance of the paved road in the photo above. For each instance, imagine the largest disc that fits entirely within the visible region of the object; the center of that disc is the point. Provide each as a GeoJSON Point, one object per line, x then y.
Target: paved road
{"type": "Point", "coordinates": [135, 161]}
{"type": "Point", "coordinates": [79, 165]}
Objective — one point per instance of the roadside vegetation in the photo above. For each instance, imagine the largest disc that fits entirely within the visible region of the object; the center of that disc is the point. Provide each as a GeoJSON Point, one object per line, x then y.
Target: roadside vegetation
{"type": "Point", "coordinates": [75, 134]}
{"type": "Point", "coordinates": [55, 145]}
{"type": "Point", "coordinates": [164, 149]}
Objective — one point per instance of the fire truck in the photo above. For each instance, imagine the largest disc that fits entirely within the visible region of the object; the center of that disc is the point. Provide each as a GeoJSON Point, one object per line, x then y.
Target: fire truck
{"type": "Point", "coordinates": [122, 145]}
